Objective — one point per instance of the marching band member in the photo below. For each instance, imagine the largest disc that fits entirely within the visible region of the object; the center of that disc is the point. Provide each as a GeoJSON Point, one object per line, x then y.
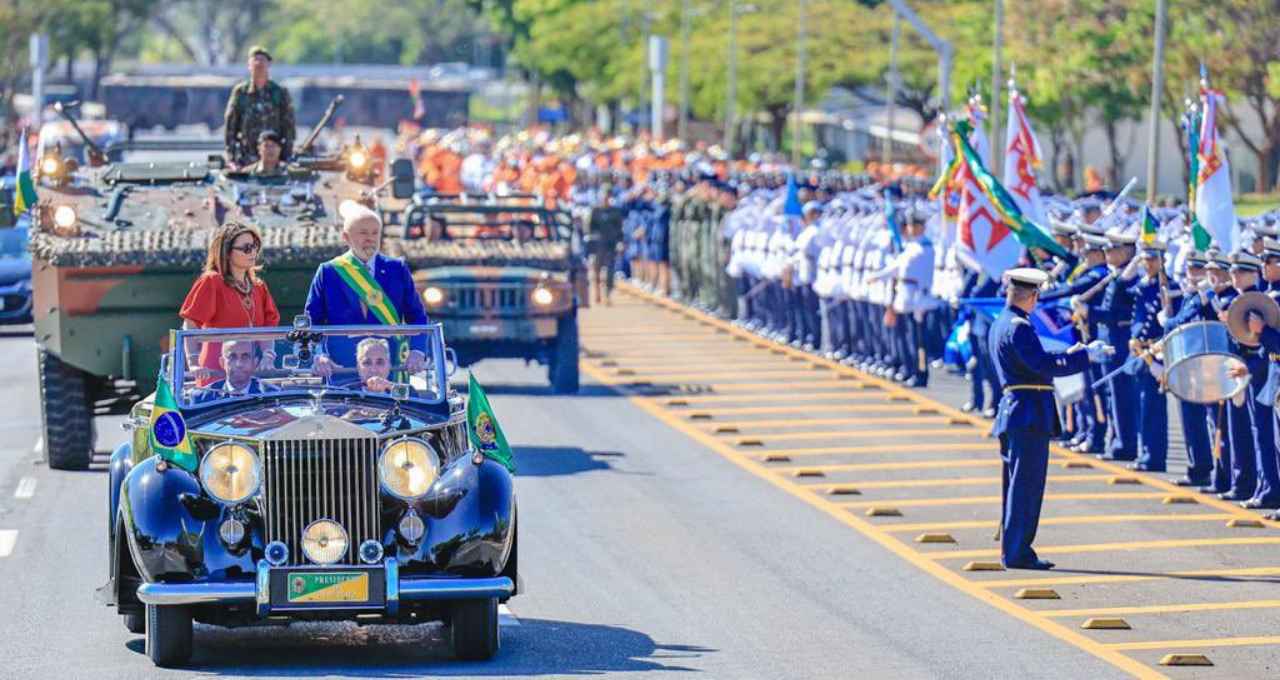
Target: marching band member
{"type": "Point", "coordinates": [1153, 409]}
{"type": "Point", "coordinates": [1197, 305]}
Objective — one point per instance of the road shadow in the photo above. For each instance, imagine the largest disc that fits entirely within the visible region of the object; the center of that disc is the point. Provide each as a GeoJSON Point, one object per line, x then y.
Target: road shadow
{"type": "Point", "coordinates": [1209, 578]}
{"type": "Point", "coordinates": [536, 647]}
{"type": "Point", "coordinates": [555, 461]}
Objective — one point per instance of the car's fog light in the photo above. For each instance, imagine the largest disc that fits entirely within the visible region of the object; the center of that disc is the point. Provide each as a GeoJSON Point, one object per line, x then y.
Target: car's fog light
{"type": "Point", "coordinates": [412, 528]}
{"type": "Point", "coordinates": [277, 553]}
{"type": "Point", "coordinates": [370, 551]}
{"type": "Point", "coordinates": [324, 541]}
{"type": "Point", "coordinates": [231, 531]}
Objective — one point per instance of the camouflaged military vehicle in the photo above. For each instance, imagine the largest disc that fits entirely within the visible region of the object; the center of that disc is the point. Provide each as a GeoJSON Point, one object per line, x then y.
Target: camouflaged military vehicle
{"type": "Point", "coordinates": [116, 246]}
{"type": "Point", "coordinates": [504, 275]}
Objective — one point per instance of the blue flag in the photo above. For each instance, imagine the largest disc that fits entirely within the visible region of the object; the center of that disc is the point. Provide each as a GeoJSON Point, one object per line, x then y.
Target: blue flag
{"type": "Point", "coordinates": [792, 207]}
{"type": "Point", "coordinates": [891, 218]}
{"type": "Point", "coordinates": [1051, 320]}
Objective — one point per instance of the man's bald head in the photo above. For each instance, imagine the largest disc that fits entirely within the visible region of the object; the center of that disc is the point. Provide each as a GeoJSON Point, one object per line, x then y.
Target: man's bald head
{"type": "Point", "coordinates": [361, 229]}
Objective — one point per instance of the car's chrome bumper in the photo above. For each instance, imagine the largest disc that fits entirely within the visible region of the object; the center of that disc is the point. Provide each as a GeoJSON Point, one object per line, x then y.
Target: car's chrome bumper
{"type": "Point", "coordinates": [257, 591]}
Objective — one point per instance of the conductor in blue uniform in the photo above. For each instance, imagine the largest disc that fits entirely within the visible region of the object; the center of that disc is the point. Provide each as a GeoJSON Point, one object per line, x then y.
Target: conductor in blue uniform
{"type": "Point", "coordinates": [1027, 417]}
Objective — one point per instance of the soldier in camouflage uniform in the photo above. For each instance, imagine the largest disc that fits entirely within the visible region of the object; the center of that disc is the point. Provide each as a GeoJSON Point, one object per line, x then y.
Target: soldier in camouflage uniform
{"type": "Point", "coordinates": [255, 105]}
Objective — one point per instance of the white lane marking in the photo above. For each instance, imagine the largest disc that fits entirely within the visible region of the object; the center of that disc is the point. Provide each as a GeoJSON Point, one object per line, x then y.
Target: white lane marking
{"type": "Point", "coordinates": [26, 488]}
{"type": "Point", "coordinates": [7, 538]}
{"type": "Point", "coordinates": [505, 617]}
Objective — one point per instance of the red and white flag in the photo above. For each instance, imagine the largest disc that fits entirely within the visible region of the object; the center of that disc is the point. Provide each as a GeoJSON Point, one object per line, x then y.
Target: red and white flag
{"type": "Point", "coordinates": [984, 242]}
{"type": "Point", "coordinates": [1021, 160]}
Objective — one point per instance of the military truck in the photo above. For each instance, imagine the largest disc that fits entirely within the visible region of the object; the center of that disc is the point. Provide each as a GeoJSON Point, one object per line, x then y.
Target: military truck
{"type": "Point", "coordinates": [504, 274]}
{"type": "Point", "coordinates": [116, 246]}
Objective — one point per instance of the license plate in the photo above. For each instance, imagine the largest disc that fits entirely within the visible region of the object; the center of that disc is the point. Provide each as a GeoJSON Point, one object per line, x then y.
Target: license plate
{"type": "Point", "coordinates": [327, 586]}
{"type": "Point", "coordinates": [484, 328]}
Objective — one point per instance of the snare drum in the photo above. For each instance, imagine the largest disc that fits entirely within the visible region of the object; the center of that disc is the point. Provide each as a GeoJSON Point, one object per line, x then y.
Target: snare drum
{"type": "Point", "coordinates": [1198, 356]}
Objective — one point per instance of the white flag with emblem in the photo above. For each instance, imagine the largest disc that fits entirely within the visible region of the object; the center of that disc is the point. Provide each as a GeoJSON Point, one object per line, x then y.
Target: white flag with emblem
{"type": "Point", "coordinates": [1021, 159]}
{"type": "Point", "coordinates": [1215, 209]}
{"type": "Point", "coordinates": [984, 241]}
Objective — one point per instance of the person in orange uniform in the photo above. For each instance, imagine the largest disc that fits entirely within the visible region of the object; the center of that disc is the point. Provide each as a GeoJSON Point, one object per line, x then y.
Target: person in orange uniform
{"type": "Point", "coordinates": [228, 294]}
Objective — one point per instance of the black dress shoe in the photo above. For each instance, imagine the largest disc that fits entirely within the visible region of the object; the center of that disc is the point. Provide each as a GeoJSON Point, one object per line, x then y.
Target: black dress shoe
{"type": "Point", "coordinates": [989, 413]}
{"type": "Point", "coordinates": [1115, 459]}
{"type": "Point", "coordinates": [1139, 467]}
{"type": "Point", "coordinates": [1189, 482]}
{"type": "Point", "coordinates": [1275, 517]}
{"type": "Point", "coordinates": [1256, 504]}
{"type": "Point", "coordinates": [970, 407]}
{"type": "Point", "coordinates": [1211, 490]}
{"type": "Point", "coordinates": [1232, 496]}
{"type": "Point", "coordinates": [1040, 565]}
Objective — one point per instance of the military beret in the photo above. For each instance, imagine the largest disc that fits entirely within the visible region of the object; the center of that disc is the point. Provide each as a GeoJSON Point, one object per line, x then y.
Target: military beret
{"type": "Point", "coordinates": [259, 49]}
{"type": "Point", "coordinates": [270, 136]}
{"type": "Point", "coordinates": [1026, 277]}
{"type": "Point", "coordinates": [1243, 261]}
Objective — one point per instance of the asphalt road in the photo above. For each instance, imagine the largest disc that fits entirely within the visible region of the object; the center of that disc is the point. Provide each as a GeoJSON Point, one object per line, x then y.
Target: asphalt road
{"type": "Point", "coordinates": [643, 553]}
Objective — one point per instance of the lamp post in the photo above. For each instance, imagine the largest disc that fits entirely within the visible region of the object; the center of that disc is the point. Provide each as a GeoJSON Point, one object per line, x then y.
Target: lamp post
{"type": "Point", "coordinates": [798, 103]}
{"type": "Point", "coordinates": [1157, 92]}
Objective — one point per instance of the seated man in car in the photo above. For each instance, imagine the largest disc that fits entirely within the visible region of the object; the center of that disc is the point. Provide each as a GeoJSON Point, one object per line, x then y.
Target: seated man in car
{"type": "Point", "coordinates": [239, 360]}
{"type": "Point", "coordinates": [373, 366]}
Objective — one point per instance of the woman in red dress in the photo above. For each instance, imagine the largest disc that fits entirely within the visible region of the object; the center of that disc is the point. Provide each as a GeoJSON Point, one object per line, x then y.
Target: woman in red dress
{"type": "Point", "coordinates": [228, 294]}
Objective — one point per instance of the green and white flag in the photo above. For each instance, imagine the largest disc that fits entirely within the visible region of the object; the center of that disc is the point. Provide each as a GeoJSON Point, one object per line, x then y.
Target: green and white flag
{"type": "Point", "coordinates": [24, 190]}
{"type": "Point", "coordinates": [483, 429]}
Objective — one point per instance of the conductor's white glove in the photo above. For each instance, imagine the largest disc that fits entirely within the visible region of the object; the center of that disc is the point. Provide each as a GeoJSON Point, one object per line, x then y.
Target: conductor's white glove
{"type": "Point", "coordinates": [1157, 370]}
{"type": "Point", "coordinates": [1098, 350]}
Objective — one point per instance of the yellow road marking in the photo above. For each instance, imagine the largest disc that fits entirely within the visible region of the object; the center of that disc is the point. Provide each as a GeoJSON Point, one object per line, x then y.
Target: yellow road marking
{"type": "Point", "coordinates": [967, 432]}
{"type": "Point", "coordinates": [778, 389]}
{"type": "Point", "coordinates": [1164, 608]}
{"type": "Point", "coordinates": [1209, 642]}
{"type": "Point", "coordinates": [995, 500]}
{"type": "Point", "coordinates": [834, 396]}
{"type": "Point", "coordinates": [750, 362]}
{"type": "Point", "coordinates": [903, 550]}
{"type": "Point", "coordinates": [958, 481]}
{"type": "Point", "coordinates": [804, 422]}
{"type": "Point", "coordinates": [900, 448]}
{"type": "Point", "coordinates": [1123, 546]}
{"type": "Point", "coordinates": [778, 375]}
{"type": "Point", "coordinates": [1079, 519]}
{"type": "Point", "coordinates": [764, 410]}
{"type": "Point", "coordinates": [1132, 578]}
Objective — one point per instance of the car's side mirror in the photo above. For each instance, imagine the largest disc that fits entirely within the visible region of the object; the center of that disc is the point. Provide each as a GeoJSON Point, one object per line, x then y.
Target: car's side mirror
{"type": "Point", "coordinates": [450, 362]}
{"type": "Point", "coordinates": [402, 182]}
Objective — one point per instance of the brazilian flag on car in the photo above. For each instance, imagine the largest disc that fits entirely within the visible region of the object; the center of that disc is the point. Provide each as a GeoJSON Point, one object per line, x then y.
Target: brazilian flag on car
{"type": "Point", "coordinates": [169, 431]}
{"type": "Point", "coordinates": [483, 429]}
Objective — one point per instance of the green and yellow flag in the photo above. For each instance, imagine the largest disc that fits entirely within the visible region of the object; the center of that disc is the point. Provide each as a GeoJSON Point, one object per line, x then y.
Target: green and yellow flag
{"type": "Point", "coordinates": [1150, 226]}
{"type": "Point", "coordinates": [24, 190]}
{"type": "Point", "coordinates": [169, 431]}
{"type": "Point", "coordinates": [483, 429]}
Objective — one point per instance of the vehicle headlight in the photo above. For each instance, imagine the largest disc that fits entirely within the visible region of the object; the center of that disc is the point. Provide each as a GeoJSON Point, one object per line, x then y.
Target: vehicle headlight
{"type": "Point", "coordinates": [358, 159]}
{"type": "Point", "coordinates": [543, 297]}
{"type": "Point", "coordinates": [50, 165]}
{"type": "Point", "coordinates": [433, 296]}
{"type": "Point", "coordinates": [64, 217]}
{"type": "Point", "coordinates": [230, 472]}
{"type": "Point", "coordinates": [324, 541]}
{"type": "Point", "coordinates": [408, 467]}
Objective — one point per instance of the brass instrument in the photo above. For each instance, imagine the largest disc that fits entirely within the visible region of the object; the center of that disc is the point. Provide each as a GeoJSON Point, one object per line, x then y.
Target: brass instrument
{"type": "Point", "coordinates": [1238, 315]}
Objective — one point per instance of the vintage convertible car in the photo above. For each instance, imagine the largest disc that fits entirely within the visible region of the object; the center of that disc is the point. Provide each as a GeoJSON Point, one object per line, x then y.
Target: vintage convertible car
{"type": "Point", "coordinates": [304, 494]}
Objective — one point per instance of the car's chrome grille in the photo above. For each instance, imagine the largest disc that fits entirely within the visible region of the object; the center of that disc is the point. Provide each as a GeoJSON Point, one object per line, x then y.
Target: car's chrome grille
{"type": "Point", "coordinates": [483, 298]}
{"type": "Point", "coordinates": [311, 479]}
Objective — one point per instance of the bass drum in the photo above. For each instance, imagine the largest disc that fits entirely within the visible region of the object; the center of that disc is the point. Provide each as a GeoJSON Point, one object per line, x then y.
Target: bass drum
{"type": "Point", "coordinates": [1198, 357]}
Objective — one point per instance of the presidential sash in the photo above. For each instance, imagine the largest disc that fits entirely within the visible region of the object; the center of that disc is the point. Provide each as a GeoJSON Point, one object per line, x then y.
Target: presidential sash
{"type": "Point", "coordinates": [360, 280]}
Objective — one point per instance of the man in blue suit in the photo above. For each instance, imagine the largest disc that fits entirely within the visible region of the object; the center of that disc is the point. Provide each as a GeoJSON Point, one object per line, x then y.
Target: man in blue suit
{"type": "Point", "coordinates": [239, 360]}
{"type": "Point", "coordinates": [364, 287]}
{"type": "Point", "coordinates": [1027, 417]}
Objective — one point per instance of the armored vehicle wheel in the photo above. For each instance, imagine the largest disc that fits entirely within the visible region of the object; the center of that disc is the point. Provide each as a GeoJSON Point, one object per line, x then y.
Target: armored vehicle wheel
{"type": "Point", "coordinates": [135, 622]}
{"type": "Point", "coordinates": [168, 635]}
{"type": "Point", "coordinates": [64, 410]}
{"type": "Point", "coordinates": [564, 365]}
{"type": "Point", "coordinates": [475, 629]}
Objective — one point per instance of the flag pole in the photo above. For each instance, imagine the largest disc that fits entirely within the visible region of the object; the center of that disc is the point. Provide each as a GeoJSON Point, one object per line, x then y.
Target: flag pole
{"type": "Point", "coordinates": [1157, 93]}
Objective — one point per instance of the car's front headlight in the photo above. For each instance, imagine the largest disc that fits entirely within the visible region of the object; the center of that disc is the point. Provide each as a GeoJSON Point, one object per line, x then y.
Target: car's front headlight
{"type": "Point", "coordinates": [408, 468]}
{"type": "Point", "coordinates": [64, 217]}
{"type": "Point", "coordinates": [230, 472]}
{"type": "Point", "coordinates": [433, 296]}
{"type": "Point", "coordinates": [543, 297]}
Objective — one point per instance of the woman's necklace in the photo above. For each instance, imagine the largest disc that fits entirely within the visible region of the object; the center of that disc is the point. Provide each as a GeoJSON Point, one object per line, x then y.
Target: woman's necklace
{"type": "Point", "coordinates": [245, 288]}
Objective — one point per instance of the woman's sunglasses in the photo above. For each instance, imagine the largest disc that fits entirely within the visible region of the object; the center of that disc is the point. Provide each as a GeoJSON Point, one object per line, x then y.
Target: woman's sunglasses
{"type": "Point", "coordinates": [248, 248]}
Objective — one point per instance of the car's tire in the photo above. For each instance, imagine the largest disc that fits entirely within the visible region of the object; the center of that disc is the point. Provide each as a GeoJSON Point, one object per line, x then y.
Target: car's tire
{"type": "Point", "coordinates": [474, 629]}
{"type": "Point", "coordinates": [135, 622]}
{"type": "Point", "coordinates": [68, 430]}
{"type": "Point", "coordinates": [564, 365]}
{"type": "Point", "coordinates": [168, 635]}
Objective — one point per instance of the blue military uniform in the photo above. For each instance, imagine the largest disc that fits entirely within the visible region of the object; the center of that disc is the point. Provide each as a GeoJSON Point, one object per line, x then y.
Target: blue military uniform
{"type": "Point", "coordinates": [1153, 409]}
{"type": "Point", "coordinates": [1195, 417]}
{"type": "Point", "coordinates": [979, 285]}
{"type": "Point", "coordinates": [1114, 315]}
{"type": "Point", "coordinates": [1026, 420]}
{"type": "Point", "coordinates": [1091, 429]}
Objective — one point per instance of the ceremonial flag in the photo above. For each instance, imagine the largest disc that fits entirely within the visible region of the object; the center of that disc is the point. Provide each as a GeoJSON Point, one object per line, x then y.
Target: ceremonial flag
{"type": "Point", "coordinates": [1191, 125]}
{"type": "Point", "coordinates": [483, 429]}
{"type": "Point", "coordinates": [891, 218]}
{"type": "Point", "coordinates": [1150, 226]}
{"type": "Point", "coordinates": [792, 206]}
{"type": "Point", "coordinates": [1021, 159]}
{"type": "Point", "coordinates": [1051, 320]}
{"type": "Point", "coordinates": [988, 215]}
{"type": "Point", "coordinates": [978, 130]}
{"type": "Point", "coordinates": [1214, 208]}
{"type": "Point", "coordinates": [169, 431]}
{"type": "Point", "coordinates": [24, 189]}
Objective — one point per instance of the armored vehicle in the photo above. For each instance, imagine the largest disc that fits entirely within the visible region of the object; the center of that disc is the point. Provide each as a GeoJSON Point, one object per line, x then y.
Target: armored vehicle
{"type": "Point", "coordinates": [116, 246]}
{"type": "Point", "coordinates": [282, 494]}
{"type": "Point", "coordinates": [504, 275]}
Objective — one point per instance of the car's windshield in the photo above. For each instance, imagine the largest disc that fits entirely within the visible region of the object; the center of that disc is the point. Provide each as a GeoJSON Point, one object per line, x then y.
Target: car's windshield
{"type": "Point", "coordinates": [517, 225]}
{"type": "Point", "coordinates": [218, 365]}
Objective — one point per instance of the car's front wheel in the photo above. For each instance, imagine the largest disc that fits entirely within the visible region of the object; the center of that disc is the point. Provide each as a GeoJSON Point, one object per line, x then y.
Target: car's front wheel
{"type": "Point", "coordinates": [168, 635]}
{"type": "Point", "coordinates": [475, 629]}
{"type": "Point", "coordinates": [66, 414]}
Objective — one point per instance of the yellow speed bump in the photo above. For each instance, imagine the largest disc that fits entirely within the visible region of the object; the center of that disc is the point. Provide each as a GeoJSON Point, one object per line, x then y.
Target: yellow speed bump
{"type": "Point", "coordinates": [984, 566]}
{"type": "Point", "coordinates": [1185, 660]}
{"type": "Point", "coordinates": [726, 429]}
{"type": "Point", "coordinates": [677, 402]}
{"type": "Point", "coordinates": [810, 473]}
{"type": "Point", "coordinates": [935, 538]}
{"type": "Point", "coordinates": [1124, 480]}
{"type": "Point", "coordinates": [843, 491]}
{"type": "Point", "coordinates": [750, 442]}
{"type": "Point", "coordinates": [882, 511]}
{"type": "Point", "coordinates": [1179, 500]}
{"type": "Point", "coordinates": [1081, 464]}
{"type": "Point", "coordinates": [1245, 524]}
{"type": "Point", "coordinates": [1102, 623]}
{"type": "Point", "coordinates": [1037, 594]}
{"type": "Point", "coordinates": [700, 416]}
{"type": "Point", "coordinates": [777, 458]}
